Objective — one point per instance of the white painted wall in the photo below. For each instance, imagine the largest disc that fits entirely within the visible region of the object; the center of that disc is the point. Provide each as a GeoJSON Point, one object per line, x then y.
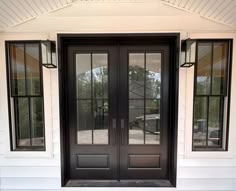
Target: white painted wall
{"type": "Point", "coordinates": [41, 170]}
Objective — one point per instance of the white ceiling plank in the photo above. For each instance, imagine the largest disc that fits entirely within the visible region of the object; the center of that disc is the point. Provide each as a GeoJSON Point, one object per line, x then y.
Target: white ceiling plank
{"type": "Point", "coordinates": [62, 2]}
{"type": "Point", "coordinates": [39, 6]}
{"type": "Point", "coordinates": [183, 3]}
{"type": "Point", "coordinates": [33, 6]}
{"type": "Point", "coordinates": [22, 7]}
{"type": "Point", "coordinates": [208, 7]}
{"type": "Point", "coordinates": [43, 6]}
{"type": "Point", "coordinates": [18, 10]}
{"type": "Point", "coordinates": [172, 2]}
{"type": "Point", "coordinates": [231, 9]}
{"type": "Point", "coordinates": [177, 2]}
{"type": "Point", "coordinates": [218, 10]}
{"type": "Point", "coordinates": [5, 20]}
{"type": "Point", "coordinates": [54, 4]}
{"type": "Point", "coordinates": [3, 23]}
{"type": "Point", "coordinates": [58, 3]}
{"type": "Point", "coordinates": [224, 6]}
{"type": "Point", "coordinates": [51, 4]}
{"type": "Point", "coordinates": [9, 12]}
{"type": "Point", "coordinates": [225, 10]}
{"type": "Point", "coordinates": [231, 19]}
{"type": "Point", "coordinates": [195, 5]}
{"type": "Point", "coordinates": [189, 4]}
{"type": "Point", "coordinates": [30, 8]}
{"type": "Point", "coordinates": [213, 8]}
{"type": "Point", "coordinates": [14, 10]}
{"type": "Point", "coordinates": [202, 5]}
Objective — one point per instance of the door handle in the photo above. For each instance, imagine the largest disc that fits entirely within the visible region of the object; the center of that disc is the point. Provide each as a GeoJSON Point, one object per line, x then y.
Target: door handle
{"type": "Point", "coordinates": [114, 130]}
{"type": "Point", "coordinates": [122, 127]}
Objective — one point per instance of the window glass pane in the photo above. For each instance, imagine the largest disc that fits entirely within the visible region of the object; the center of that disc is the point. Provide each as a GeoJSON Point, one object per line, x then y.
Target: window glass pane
{"type": "Point", "coordinates": [136, 75]}
{"type": "Point", "coordinates": [200, 121]}
{"type": "Point", "coordinates": [204, 68]}
{"type": "Point", "coordinates": [32, 68]}
{"type": "Point", "coordinates": [18, 69]}
{"type": "Point", "coordinates": [152, 124]}
{"type": "Point", "coordinates": [100, 75]}
{"type": "Point", "coordinates": [84, 122]}
{"type": "Point", "coordinates": [214, 123]}
{"type": "Point", "coordinates": [22, 121]}
{"type": "Point", "coordinates": [153, 75]}
{"type": "Point", "coordinates": [136, 121]}
{"type": "Point", "coordinates": [219, 68]}
{"type": "Point", "coordinates": [100, 132]}
{"type": "Point", "coordinates": [37, 123]}
{"type": "Point", "coordinates": [83, 76]}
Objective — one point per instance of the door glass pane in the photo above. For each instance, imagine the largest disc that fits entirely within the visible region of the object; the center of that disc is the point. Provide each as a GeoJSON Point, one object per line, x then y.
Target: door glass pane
{"type": "Point", "coordinates": [219, 68]}
{"type": "Point", "coordinates": [100, 132]}
{"type": "Point", "coordinates": [152, 122]}
{"type": "Point", "coordinates": [136, 121]}
{"type": "Point", "coordinates": [136, 75]}
{"type": "Point", "coordinates": [22, 114]}
{"type": "Point", "coordinates": [37, 121]}
{"type": "Point", "coordinates": [84, 122]}
{"type": "Point", "coordinates": [83, 76]}
{"type": "Point", "coordinates": [100, 75]}
{"type": "Point", "coordinates": [33, 69]}
{"type": "Point", "coordinates": [214, 123]}
{"type": "Point", "coordinates": [204, 68]}
{"type": "Point", "coordinates": [200, 121]}
{"type": "Point", "coordinates": [153, 75]}
{"type": "Point", "coordinates": [18, 69]}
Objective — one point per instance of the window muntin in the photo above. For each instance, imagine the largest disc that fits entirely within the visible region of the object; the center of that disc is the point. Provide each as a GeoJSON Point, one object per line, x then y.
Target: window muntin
{"type": "Point", "coordinates": [25, 95]}
{"type": "Point", "coordinates": [211, 95]}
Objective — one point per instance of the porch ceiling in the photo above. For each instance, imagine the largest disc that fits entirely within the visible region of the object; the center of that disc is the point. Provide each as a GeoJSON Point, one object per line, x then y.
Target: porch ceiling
{"type": "Point", "coordinates": [221, 11]}
{"type": "Point", "coordinates": [16, 12]}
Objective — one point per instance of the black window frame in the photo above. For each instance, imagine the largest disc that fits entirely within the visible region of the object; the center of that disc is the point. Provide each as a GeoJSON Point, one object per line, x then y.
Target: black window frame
{"type": "Point", "coordinates": [14, 146]}
{"type": "Point", "coordinates": [227, 93]}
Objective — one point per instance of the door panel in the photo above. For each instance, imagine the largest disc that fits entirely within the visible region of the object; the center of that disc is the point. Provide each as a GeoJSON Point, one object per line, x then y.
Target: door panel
{"type": "Point", "coordinates": [144, 108]}
{"type": "Point", "coordinates": [92, 111]}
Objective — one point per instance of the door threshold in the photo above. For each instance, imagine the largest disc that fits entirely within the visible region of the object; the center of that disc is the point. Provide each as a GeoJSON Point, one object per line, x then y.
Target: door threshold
{"type": "Point", "coordinates": [116, 183]}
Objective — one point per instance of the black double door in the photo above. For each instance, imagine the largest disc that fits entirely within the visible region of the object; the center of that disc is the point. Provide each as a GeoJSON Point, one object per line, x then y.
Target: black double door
{"type": "Point", "coordinates": [117, 97]}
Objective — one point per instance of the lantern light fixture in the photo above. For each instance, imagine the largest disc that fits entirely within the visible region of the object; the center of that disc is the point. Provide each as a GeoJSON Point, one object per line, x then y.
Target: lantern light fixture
{"type": "Point", "coordinates": [188, 49]}
{"type": "Point", "coordinates": [48, 49]}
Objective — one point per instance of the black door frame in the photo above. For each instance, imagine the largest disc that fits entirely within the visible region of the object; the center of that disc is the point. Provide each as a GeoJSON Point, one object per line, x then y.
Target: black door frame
{"type": "Point", "coordinates": [152, 38]}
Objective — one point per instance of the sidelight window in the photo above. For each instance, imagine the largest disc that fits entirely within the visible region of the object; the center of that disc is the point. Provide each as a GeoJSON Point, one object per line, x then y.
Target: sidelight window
{"type": "Point", "coordinates": [25, 95]}
{"type": "Point", "coordinates": [211, 95]}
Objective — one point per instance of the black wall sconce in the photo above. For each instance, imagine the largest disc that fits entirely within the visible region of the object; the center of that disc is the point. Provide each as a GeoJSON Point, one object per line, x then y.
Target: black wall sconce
{"type": "Point", "coordinates": [188, 48]}
{"type": "Point", "coordinates": [49, 54]}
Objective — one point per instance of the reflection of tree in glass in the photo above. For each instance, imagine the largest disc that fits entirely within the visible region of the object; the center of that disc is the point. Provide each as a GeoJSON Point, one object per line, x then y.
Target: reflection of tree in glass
{"type": "Point", "coordinates": [99, 78]}
{"type": "Point", "coordinates": [137, 79]}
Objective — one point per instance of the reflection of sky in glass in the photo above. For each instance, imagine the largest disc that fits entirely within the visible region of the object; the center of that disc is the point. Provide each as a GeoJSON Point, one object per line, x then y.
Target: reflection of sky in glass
{"type": "Point", "coordinates": [98, 73]}
{"type": "Point", "coordinates": [155, 75]}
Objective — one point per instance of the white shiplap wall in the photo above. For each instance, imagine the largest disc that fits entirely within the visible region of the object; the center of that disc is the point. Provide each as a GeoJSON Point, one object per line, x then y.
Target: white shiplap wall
{"type": "Point", "coordinates": [196, 171]}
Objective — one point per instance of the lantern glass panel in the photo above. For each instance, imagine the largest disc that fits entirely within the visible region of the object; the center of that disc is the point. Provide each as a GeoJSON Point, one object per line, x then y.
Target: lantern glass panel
{"type": "Point", "coordinates": [44, 54]}
{"type": "Point", "coordinates": [190, 51]}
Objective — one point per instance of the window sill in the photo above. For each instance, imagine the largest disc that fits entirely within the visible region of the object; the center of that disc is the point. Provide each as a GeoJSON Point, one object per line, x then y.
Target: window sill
{"type": "Point", "coordinates": [28, 154]}
{"type": "Point", "coordinates": [210, 155]}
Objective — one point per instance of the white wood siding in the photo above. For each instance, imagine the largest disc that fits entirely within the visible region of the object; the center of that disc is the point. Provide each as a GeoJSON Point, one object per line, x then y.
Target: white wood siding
{"type": "Point", "coordinates": [197, 171]}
